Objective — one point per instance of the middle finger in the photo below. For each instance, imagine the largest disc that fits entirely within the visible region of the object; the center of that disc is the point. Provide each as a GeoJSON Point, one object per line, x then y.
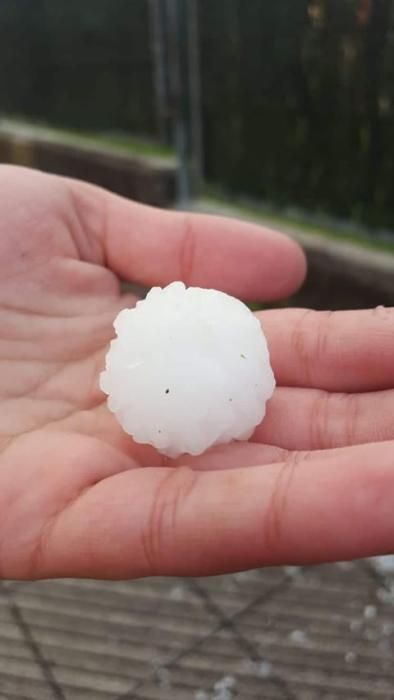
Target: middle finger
{"type": "Point", "coordinates": [312, 419]}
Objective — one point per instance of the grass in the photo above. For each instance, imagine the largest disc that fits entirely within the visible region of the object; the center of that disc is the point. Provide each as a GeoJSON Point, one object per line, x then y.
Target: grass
{"type": "Point", "coordinates": [362, 239]}
{"type": "Point", "coordinates": [121, 142]}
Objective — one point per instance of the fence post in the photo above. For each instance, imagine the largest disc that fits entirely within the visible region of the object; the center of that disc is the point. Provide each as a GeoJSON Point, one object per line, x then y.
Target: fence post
{"type": "Point", "coordinates": [195, 111]}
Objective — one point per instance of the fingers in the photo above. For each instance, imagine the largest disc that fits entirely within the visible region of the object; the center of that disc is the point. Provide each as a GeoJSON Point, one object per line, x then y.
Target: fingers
{"type": "Point", "coordinates": [233, 456]}
{"type": "Point", "coordinates": [342, 351]}
{"type": "Point", "coordinates": [312, 419]}
{"type": "Point", "coordinates": [154, 247]}
{"type": "Point", "coordinates": [181, 522]}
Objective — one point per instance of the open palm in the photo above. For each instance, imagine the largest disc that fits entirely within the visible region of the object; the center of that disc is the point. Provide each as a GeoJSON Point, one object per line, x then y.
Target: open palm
{"type": "Point", "coordinates": [74, 500]}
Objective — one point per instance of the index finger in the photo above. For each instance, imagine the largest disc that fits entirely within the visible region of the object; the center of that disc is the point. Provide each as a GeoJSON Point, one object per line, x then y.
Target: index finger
{"type": "Point", "coordinates": [151, 246]}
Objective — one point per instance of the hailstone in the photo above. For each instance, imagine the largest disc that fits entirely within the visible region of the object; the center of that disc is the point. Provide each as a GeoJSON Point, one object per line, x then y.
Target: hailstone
{"type": "Point", "coordinates": [189, 369]}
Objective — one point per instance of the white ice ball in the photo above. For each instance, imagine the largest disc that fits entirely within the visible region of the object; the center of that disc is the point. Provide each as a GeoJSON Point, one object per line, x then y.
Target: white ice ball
{"type": "Point", "coordinates": [189, 369]}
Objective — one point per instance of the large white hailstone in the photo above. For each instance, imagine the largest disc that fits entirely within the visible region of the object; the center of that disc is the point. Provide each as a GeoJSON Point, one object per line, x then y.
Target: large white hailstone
{"type": "Point", "coordinates": [189, 369]}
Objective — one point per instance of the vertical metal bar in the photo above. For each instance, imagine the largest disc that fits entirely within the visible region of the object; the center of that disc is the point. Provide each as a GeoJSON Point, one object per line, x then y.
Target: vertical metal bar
{"type": "Point", "coordinates": [177, 94]}
{"type": "Point", "coordinates": [195, 109]}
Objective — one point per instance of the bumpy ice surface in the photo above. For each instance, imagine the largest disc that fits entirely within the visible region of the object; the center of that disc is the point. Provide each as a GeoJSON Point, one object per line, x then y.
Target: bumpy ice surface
{"type": "Point", "coordinates": [189, 369]}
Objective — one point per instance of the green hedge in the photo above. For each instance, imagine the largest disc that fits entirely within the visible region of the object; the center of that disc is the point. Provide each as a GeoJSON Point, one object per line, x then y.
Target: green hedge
{"type": "Point", "coordinates": [78, 64]}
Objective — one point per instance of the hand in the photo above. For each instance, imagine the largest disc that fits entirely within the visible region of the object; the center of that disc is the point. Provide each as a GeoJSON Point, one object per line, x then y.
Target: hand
{"type": "Point", "coordinates": [73, 498]}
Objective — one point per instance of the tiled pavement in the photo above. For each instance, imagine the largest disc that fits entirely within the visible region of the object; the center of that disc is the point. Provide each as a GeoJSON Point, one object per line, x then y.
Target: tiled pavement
{"type": "Point", "coordinates": [324, 633]}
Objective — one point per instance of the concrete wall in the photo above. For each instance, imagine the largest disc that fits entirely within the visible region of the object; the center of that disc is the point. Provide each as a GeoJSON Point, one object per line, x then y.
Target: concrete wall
{"type": "Point", "coordinates": [145, 179]}
{"type": "Point", "coordinates": [344, 276]}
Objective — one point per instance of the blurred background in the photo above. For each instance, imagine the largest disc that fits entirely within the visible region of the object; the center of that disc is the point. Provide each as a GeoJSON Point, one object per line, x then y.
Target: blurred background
{"type": "Point", "coordinates": [282, 113]}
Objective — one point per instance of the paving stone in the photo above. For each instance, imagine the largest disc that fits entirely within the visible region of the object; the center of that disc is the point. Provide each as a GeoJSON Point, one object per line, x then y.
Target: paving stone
{"type": "Point", "coordinates": [313, 633]}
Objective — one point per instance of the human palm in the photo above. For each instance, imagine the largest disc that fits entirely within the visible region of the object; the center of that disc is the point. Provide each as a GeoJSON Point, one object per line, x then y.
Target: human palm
{"type": "Point", "coordinates": [74, 498]}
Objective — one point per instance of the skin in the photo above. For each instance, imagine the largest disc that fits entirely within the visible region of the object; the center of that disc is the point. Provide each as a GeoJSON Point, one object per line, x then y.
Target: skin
{"type": "Point", "coordinates": [78, 498]}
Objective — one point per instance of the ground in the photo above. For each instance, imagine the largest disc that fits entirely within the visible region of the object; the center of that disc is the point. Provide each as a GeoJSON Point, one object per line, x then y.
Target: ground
{"type": "Point", "coordinates": [324, 633]}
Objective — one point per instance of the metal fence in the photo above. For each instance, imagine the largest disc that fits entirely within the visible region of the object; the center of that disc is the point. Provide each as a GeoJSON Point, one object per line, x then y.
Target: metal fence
{"type": "Point", "coordinates": [291, 102]}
